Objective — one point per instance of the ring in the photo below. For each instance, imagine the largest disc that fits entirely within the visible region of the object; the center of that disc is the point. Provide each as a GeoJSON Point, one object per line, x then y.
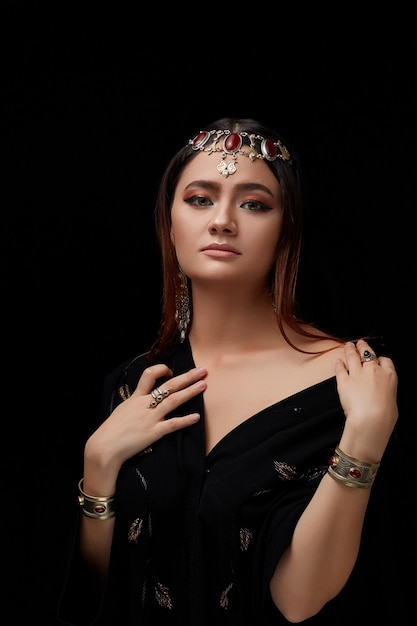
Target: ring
{"type": "Point", "coordinates": [368, 356]}
{"type": "Point", "coordinates": [158, 395]}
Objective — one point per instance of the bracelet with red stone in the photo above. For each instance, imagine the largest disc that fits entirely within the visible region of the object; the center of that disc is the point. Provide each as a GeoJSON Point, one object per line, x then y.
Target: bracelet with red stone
{"type": "Point", "coordinates": [95, 507]}
{"type": "Point", "coordinates": [350, 471]}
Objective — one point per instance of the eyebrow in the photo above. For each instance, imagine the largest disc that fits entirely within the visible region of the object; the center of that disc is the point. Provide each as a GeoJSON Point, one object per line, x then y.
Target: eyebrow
{"type": "Point", "coordinates": [205, 184]}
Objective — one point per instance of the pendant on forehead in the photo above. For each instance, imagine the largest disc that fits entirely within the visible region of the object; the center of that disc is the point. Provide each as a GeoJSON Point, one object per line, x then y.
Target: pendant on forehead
{"type": "Point", "coordinates": [232, 144]}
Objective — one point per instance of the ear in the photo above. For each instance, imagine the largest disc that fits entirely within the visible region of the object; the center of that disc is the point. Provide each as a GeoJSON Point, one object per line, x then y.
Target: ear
{"type": "Point", "coordinates": [172, 237]}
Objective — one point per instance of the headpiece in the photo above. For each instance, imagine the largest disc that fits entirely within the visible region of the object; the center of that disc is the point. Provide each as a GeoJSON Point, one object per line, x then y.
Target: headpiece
{"type": "Point", "coordinates": [251, 145]}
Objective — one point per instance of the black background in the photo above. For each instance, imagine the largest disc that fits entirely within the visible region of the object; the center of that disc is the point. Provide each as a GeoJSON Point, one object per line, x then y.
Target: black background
{"type": "Point", "coordinates": [94, 103]}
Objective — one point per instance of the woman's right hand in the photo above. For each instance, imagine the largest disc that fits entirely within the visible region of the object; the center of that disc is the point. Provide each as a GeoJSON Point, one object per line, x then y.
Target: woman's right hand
{"type": "Point", "coordinates": [134, 425]}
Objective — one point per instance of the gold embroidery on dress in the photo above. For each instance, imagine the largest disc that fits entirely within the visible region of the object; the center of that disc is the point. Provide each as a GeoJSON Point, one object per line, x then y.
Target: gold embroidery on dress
{"type": "Point", "coordinates": [146, 451]}
{"type": "Point", "coordinates": [245, 538]}
{"type": "Point", "coordinates": [124, 392]}
{"type": "Point", "coordinates": [135, 529]}
{"type": "Point", "coordinates": [286, 471]}
{"type": "Point", "coordinates": [224, 598]}
{"type": "Point", "coordinates": [162, 596]}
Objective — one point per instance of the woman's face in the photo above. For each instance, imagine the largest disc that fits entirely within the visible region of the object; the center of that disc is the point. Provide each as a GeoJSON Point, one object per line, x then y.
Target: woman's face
{"type": "Point", "coordinates": [226, 229]}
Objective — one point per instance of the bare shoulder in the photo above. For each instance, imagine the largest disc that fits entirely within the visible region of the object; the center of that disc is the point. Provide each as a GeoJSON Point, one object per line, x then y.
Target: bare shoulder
{"type": "Point", "coordinates": [319, 343]}
{"type": "Point", "coordinates": [320, 354]}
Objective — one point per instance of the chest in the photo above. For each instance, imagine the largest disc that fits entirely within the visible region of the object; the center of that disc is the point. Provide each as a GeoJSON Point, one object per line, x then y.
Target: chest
{"type": "Point", "coordinates": [239, 389]}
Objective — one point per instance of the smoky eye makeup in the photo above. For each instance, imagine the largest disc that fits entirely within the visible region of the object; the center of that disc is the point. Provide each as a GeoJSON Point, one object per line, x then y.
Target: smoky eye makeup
{"type": "Point", "coordinates": [198, 201]}
{"type": "Point", "coordinates": [256, 206]}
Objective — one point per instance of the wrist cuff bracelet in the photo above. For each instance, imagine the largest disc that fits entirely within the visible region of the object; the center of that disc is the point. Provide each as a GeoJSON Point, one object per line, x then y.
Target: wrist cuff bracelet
{"type": "Point", "coordinates": [92, 506]}
{"type": "Point", "coordinates": [350, 471]}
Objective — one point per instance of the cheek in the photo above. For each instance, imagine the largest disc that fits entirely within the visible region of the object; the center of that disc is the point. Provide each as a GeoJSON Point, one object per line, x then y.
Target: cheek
{"type": "Point", "coordinates": [185, 228]}
{"type": "Point", "coordinates": [264, 249]}
{"type": "Point", "coordinates": [182, 236]}
{"type": "Point", "coordinates": [267, 238]}
{"type": "Point", "coordinates": [177, 233]}
{"type": "Point", "coordinates": [177, 225]}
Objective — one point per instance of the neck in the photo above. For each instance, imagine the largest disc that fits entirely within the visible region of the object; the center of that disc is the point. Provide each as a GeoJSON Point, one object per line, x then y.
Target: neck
{"type": "Point", "coordinates": [235, 318]}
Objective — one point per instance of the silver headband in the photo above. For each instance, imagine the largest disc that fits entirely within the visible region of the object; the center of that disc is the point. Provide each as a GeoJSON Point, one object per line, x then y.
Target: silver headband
{"type": "Point", "coordinates": [251, 145]}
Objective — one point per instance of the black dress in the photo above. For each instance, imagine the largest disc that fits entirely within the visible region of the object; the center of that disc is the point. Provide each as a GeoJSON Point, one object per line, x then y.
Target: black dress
{"type": "Point", "coordinates": [197, 537]}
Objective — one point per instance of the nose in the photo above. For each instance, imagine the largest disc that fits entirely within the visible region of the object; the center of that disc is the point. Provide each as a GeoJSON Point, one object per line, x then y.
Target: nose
{"type": "Point", "coordinates": [223, 221]}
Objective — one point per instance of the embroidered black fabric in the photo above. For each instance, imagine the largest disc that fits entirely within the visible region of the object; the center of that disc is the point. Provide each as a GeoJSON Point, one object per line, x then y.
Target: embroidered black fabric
{"type": "Point", "coordinates": [197, 537]}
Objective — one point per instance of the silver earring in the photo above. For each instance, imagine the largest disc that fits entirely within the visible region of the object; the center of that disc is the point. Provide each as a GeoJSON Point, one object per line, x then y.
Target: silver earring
{"type": "Point", "coordinates": [182, 306]}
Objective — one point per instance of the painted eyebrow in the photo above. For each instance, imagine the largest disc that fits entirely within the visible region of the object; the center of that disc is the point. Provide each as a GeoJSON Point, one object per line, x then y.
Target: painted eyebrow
{"type": "Point", "coordinates": [239, 187]}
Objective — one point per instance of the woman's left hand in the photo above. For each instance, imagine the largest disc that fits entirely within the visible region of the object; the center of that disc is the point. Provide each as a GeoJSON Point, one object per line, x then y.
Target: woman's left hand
{"type": "Point", "coordinates": [367, 388]}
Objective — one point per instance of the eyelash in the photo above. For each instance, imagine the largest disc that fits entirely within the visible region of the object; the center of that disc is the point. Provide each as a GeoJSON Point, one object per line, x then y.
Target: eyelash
{"type": "Point", "coordinates": [196, 201]}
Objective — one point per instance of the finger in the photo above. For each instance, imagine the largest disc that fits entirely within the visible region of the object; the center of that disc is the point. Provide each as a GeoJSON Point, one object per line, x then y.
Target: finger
{"type": "Point", "coordinates": [172, 399]}
{"type": "Point", "coordinates": [359, 354]}
{"type": "Point", "coordinates": [176, 423]}
{"type": "Point", "coordinates": [352, 356]}
{"type": "Point", "coordinates": [367, 354]}
{"type": "Point", "coordinates": [386, 363]}
{"type": "Point", "coordinates": [340, 367]}
{"type": "Point", "coordinates": [149, 377]}
{"type": "Point", "coordinates": [183, 380]}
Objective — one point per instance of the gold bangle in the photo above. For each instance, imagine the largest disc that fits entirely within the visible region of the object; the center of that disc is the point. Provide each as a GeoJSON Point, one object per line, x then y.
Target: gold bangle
{"type": "Point", "coordinates": [95, 507]}
{"type": "Point", "coordinates": [350, 471]}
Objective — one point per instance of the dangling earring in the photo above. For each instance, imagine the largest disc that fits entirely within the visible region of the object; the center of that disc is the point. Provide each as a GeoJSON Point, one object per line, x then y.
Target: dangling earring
{"type": "Point", "coordinates": [182, 306]}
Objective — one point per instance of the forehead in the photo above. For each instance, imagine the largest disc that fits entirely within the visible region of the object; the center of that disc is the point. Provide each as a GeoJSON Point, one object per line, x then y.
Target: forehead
{"type": "Point", "coordinates": [205, 167]}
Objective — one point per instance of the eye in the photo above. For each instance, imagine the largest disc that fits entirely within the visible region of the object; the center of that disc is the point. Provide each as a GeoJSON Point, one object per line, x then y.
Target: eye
{"type": "Point", "coordinates": [199, 201]}
{"type": "Point", "coordinates": [255, 205]}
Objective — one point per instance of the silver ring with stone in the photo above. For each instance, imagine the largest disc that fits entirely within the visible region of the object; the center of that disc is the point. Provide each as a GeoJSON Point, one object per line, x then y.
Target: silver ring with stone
{"type": "Point", "coordinates": [368, 356]}
{"type": "Point", "coordinates": [157, 396]}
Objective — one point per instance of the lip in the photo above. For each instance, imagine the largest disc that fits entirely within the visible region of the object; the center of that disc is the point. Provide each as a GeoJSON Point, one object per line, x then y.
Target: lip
{"type": "Point", "coordinates": [220, 250]}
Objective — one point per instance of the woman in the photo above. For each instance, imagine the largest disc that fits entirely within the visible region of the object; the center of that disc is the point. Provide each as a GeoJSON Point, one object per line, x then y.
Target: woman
{"type": "Point", "coordinates": [230, 476]}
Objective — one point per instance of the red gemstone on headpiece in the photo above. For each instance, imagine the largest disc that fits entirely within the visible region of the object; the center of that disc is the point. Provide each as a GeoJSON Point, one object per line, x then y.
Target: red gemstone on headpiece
{"type": "Point", "coordinates": [232, 143]}
{"type": "Point", "coordinates": [200, 139]}
{"type": "Point", "coordinates": [269, 149]}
